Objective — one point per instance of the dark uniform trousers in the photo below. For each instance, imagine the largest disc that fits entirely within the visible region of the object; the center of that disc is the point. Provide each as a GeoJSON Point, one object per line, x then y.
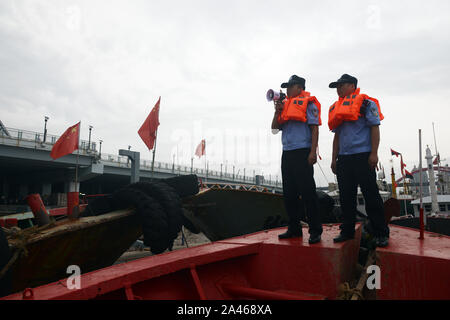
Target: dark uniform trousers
{"type": "Point", "coordinates": [298, 180]}
{"type": "Point", "coordinates": [353, 170]}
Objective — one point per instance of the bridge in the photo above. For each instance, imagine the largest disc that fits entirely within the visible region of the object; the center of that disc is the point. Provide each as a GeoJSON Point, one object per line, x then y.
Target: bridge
{"type": "Point", "coordinates": [26, 167]}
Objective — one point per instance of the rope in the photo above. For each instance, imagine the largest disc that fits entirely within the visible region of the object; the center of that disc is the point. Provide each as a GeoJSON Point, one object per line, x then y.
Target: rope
{"type": "Point", "coordinates": [346, 293]}
{"type": "Point", "coordinates": [10, 263]}
{"type": "Point", "coordinates": [322, 172]}
{"type": "Point", "coordinates": [22, 238]}
{"type": "Point", "coordinates": [184, 238]}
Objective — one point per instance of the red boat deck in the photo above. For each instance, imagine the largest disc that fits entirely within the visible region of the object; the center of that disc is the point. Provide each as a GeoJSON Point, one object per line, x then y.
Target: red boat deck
{"type": "Point", "coordinates": [255, 266]}
{"type": "Point", "coordinates": [412, 268]}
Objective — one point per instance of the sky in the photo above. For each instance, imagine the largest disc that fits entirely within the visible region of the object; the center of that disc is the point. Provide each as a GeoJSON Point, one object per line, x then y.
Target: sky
{"type": "Point", "coordinates": [106, 63]}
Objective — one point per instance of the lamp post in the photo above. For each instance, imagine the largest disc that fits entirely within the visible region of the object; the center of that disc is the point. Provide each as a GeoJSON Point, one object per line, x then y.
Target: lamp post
{"type": "Point", "coordinates": [89, 143]}
{"type": "Point", "coordinates": [221, 170]}
{"type": "Point", "coordinates": [173, 163]}
{"type": "Point", "coordinates": [100, 152]}
{"type": "Point", "coordinates": [45, 128]}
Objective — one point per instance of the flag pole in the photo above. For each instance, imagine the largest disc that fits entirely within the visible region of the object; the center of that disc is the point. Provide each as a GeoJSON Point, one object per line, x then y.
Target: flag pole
{"type": "Point", "coordinates": [78, 155]}
{"type": "Point", "coordinates": [76, 208]}
{"type": "Point", "coordinates": [439, 161]}
{"type": "Point", "coordinates": [206, 166]}
{"type": "Point", "coordinates": [421, 217]}
{"type": "Point", "coordinates": [154, 149]}
{"type": "Point", "coordinates": [404, 188]}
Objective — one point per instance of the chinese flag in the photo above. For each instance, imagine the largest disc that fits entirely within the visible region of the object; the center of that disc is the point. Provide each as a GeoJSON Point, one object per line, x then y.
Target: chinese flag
{"type": "Point", "coordinates": [436, 161]}
{"type": "Point", "coordinates": [147, 132]}
{"type": "Point", "coordinates": [200, 149]}
{"type": "Point", "coordinates": [408, 174]}
{"type": "Point", "coordinates": [394, 153]}
{"type": "Point", "coordinates": [67, 143]}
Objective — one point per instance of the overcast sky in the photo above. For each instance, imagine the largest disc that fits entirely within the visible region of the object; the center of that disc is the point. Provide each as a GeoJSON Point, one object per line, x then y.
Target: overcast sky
{"type": "Point", "coordinates": [107, 62]}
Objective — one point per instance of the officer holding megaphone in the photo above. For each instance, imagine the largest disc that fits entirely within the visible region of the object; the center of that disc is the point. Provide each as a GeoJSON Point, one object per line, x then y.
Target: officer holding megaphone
{"type": "Point", "coordinates": [297, 115]}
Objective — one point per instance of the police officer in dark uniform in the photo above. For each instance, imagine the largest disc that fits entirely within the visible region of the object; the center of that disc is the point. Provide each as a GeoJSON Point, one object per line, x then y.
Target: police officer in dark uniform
{"type": "Point", "coordinates": [299, 139]}
{"type": "Point", "coordinates": [355, 156]}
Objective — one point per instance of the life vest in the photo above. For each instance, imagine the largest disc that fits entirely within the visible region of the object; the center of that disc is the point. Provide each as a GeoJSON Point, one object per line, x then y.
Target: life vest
{"type": "Point", "coordinates": [295, 108]}
{"type": "Point", "coordinates": [349, 109]}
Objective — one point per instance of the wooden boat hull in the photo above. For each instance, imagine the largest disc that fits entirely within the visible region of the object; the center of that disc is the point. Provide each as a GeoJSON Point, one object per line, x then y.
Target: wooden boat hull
{"type": "Point", "coordinates": [90, 243]}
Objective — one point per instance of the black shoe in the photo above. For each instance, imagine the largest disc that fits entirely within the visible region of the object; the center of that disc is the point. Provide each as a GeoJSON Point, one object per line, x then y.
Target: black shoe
{"type": "Point", "coordinates": [314, 239]}
{"type": "Point", "coordinates": [382, 241]}
{"type": "Point", "coordinates": [290, 234]}
{"type": "Point", "coordinates": [343, 237]}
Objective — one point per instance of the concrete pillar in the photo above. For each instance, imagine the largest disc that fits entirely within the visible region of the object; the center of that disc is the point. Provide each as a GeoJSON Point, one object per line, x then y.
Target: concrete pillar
{"type": "Point", "coordinates": [23, 191]}
{"type": "Point", "coordinates": [69, 186]}
{"type": "Point", "coordinates": [135, 163]}
{"type": "Point", "coordinates": [5, 188]}
{"type": "Point", "coordinates": [46, 189]}
{"type": "Point", "coordinates": [74, 187]}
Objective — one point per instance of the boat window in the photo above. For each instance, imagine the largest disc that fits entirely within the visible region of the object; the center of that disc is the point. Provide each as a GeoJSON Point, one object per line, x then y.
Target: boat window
{"type": "Point", "coordinates": [442, 207]}
{"type": "Point", "coordinates": [360, 200]}
{"type": "Point", "coordinates": [427, 207]}
{"type": "Point", "coordinates": [448, 207]}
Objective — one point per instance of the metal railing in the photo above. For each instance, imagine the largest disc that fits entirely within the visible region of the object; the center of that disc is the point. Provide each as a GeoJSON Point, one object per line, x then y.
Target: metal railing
{"type": "Point", "coordinates": [122, 161]}
{"type": "Point", "coordinates": [31, 139]}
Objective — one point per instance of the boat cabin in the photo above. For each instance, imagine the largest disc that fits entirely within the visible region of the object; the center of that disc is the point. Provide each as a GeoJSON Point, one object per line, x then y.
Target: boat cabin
{"type": "Point", "coordinates": [443, 204]}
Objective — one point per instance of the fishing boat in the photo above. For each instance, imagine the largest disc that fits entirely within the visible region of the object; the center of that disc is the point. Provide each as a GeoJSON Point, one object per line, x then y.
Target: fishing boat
{"type": "Point", "coordinates": [105, 230]}
{"type": "Point", "coordinates": [260, 266]}
{"type": "Point", "coordinates": [42, 254]}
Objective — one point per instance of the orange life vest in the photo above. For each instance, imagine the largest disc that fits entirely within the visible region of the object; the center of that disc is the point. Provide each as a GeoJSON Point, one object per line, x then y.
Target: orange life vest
{"type": "Point", "coordinates": [295, 108]}
{"type": "Point", "coordinates": [349, 109]}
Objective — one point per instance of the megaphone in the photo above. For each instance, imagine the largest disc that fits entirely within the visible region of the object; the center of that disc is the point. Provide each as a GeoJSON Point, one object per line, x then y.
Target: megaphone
{"type": "Point", "coordinates": [272, 95]}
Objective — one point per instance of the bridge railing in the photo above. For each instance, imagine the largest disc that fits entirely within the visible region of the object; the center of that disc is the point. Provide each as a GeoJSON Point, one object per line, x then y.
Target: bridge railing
{"type": "Point", "coordinates": [122, 161]}
{"type": "Point", "coordinates": [32, 139]}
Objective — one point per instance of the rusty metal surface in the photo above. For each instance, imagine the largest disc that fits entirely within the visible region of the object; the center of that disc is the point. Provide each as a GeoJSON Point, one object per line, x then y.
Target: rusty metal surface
{"type": "Point", "coordinates": [91, 243]}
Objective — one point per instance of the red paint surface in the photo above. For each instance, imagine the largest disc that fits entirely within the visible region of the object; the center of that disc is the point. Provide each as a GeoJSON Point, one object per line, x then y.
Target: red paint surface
{"type": "Point", "coordinates": [412, 268]}
{"type": "Point", "coordinates": [63, 211]}
{"type": "Point", "coordinates": [73, 199]}
{"type": "Point", "coordinates": [37, 207]}
{"type": "Point", "coordinates": [12, 222]}
{"type": "Point", "coordinates": [258, 265]}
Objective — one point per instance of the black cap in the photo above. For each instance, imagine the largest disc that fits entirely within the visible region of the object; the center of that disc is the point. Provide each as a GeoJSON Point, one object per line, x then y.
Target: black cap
{"type": "Point", "coordinates": [294, 80]}
{"type": "Point", "coordinates": [345, 78]}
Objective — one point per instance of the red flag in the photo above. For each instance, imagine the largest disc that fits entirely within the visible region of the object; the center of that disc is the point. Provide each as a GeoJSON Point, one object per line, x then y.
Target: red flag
{"type": "Point", "coordinates": [147, 132]}
{"type": "Point", "coordinates": [408, 174]}
{"type": "Point", "coordinates": [200, 149]}
{"type": "Point", "coordinates": [395, 153]}
{"type": "Point", "coordinates": [436, 161]}
{"type": "Point", "coordinates": [67, 143]}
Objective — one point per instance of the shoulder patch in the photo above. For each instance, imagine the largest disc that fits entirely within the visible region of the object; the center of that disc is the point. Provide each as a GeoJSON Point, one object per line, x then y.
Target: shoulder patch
{"type": "Point", "coordinates": [374, 111]}
{"type": "Point", "coordinates": [315, 112]}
